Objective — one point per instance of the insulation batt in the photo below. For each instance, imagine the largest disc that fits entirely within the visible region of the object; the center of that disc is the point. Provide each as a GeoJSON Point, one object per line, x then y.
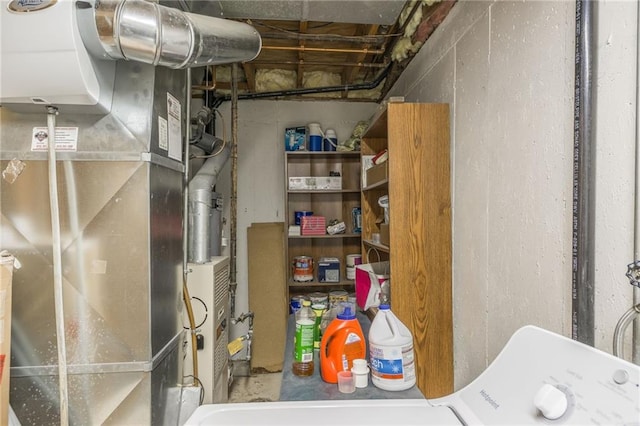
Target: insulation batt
{"type": "Point", "coordinates": [322, 79]}
{"type": "Point", "coordinates": [275, 79]}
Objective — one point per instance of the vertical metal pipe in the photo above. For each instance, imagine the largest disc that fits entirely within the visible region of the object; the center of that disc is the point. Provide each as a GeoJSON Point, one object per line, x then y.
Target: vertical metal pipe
{"type": "Point", "coordinates": [583, 253]}
{"type": "Point", "coordinates": [185, 181]}
{"type": "Point", "coordinates": [234, 188]}
{"type": "Point", "coordinates": [635, 342]}
{"type": "Point", "coordinates": [185, 232]}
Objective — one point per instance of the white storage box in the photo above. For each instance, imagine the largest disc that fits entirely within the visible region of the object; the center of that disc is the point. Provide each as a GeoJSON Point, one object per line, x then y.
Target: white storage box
{"type": "Point", "coordinates": [315, 182]}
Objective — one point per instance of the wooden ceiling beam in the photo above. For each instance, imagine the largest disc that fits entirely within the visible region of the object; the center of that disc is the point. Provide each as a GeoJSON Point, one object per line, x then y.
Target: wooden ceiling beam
{"type": "Point", "coordinates": [250, 73]}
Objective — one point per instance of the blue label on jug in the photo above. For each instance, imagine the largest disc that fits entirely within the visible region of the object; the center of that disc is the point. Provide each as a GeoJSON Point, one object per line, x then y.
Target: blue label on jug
{"type": "Point", "coordinates": [387, 368]}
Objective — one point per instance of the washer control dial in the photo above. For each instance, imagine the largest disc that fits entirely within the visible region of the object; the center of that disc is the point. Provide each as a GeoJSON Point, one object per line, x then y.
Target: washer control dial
{"type": "Point", "coordinates": [621, 377]}
{"type": "Point", "coordinates": [551, 401]}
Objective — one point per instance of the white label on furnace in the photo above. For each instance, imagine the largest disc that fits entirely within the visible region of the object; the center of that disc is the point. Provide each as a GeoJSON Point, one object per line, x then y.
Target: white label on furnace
{"type": "Point", "coordinates": [162, 133]}
{"type": "Point", "coordinates": [66, 139]}
{"type": "Point", "coordinates": [174, 117]}
{"type": "Point", "coordinates": [98, 266]}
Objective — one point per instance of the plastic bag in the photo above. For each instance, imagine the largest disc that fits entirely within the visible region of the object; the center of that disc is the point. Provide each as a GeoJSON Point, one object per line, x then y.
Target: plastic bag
{"type": "Point", "coordinates": [370, 279]}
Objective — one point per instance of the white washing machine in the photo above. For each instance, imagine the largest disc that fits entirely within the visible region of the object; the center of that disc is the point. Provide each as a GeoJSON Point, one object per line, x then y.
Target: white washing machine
{"type": "Point", "coordinates": [538, 378]}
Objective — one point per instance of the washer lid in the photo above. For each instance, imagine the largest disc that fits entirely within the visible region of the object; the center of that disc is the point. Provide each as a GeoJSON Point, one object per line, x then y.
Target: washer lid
{"type": "Point", "coordinates": [349, 412]}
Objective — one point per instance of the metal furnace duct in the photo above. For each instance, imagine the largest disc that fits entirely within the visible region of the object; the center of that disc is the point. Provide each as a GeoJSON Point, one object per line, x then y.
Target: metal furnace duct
{"type": "Point", "coordinates": [121, 235]}
{"type": "Point", "coordinates": [201, 207]}
{"type": "Point", "coordinates": [158, 35]}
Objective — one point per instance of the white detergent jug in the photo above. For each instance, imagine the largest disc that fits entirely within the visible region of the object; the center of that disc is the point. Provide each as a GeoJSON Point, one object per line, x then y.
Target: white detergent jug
{"type": "Point", "coordinates": [391, 352]}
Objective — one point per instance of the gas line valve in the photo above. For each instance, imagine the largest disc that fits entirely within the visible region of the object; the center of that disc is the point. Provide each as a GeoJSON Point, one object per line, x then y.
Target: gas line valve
{"type": "Point", "coordinates": [633, 273]}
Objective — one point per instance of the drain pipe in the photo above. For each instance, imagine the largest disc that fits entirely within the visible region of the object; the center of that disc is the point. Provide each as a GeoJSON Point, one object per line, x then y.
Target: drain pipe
{"type": "Point", "coordinates": [308, 91]}
{"type": "Point", "coordinates": [635, 342]}
{"type": "Point", "coordinates": [583, 251]}
{"type": "Point", "coordinates": [57, 268]}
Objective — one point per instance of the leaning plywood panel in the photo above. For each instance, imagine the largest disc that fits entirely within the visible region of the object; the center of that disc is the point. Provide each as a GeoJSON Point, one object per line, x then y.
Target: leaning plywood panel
{"type": "Point", "coordinates": [267, 295]}
{"type": "Point", "coordinates": [6, 273]}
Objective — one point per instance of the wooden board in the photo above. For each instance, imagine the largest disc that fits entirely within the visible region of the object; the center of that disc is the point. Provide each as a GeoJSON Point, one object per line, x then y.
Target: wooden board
{"type": "Point", "coordinates": [267, 295]}
{"type": "Point", "coordinates": [6, 274]}
{"type": "Point", "coordinates": [420, 206]}
{"type": "Point", "coordinates": [418, 185]}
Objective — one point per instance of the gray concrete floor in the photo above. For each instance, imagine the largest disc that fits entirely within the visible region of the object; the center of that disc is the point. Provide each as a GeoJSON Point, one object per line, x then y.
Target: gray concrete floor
{"type": "Point", "coordinates": [256, 388]}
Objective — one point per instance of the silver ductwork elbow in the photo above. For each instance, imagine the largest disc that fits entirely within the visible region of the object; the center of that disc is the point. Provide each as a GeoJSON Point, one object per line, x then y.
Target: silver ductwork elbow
{"type": "Point", "coordinates": [147, 32]}
{"type": "Point", "coordinates": [201, 206]}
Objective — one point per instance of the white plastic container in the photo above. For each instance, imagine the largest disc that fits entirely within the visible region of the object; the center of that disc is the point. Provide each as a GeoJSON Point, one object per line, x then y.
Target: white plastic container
{"type": "Point", "coordinates": [391, 352]}
{"type": "Point", "coordinates": [360, 371]}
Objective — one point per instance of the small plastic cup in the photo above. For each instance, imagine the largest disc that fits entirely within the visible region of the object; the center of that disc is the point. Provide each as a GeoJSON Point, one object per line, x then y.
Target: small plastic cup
{"type": "Point", "coordinates": [346, 382]}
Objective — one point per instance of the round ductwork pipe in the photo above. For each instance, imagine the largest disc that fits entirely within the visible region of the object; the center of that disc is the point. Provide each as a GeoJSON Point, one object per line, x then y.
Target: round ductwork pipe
{"type": "Point", "coordinates": [147, 32]}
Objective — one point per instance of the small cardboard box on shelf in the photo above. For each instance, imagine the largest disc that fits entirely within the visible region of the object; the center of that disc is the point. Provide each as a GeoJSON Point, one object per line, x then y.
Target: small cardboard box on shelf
{"type": "Point", "coordinates": [295, 139]}
{"type": "Point", "coordinates": [313, 225]}
{"type": "Point", "coordinates": [329, 270]}
{"type": "Point", "coordinates": [305, 183]}
{"type": "Point", "coordinates": [384, 234]}
{"type": "Point", "coordinates": [377, 173]}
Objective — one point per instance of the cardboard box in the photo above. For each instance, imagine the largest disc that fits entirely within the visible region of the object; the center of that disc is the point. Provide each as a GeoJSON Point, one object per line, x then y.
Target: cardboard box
{"type": "Point", "coordinates": [329, 182]}
{"type": "Point", "coordinates": [294, 230]}
{"type": "Point", "coordinates": [329, 270]}
{"type": "Point", "coordinates": [384, 234]}
{"type": "Point", "coordinates": [302, 183]}
{"type": "Point", "coordinates": [367, 162]}
{"type": "Point", "coordinates": [295, 139]}
{"type": "Point", "coordinates": [313, 225]}
{"type": "Point", "coordinates": [306, 183]}
{"type": "Point", "coordinates": [377, 173]}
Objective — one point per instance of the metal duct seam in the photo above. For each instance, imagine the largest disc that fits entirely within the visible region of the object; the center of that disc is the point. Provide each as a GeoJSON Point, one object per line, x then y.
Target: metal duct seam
{"type": "Point", "coordinates": [147, 32]}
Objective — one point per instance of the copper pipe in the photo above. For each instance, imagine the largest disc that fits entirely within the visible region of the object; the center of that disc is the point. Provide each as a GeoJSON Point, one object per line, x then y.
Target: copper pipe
{"type": "Point", "coordinates": [204, 87]}
{"type": "Point", "coordinates": [368, 39]}
{"type": "Point", "coordinates": [311, 63]}
{"type": "Point", "coordinates": [208, 86]}
{"type": "Point", "coordinates": [324, 49]}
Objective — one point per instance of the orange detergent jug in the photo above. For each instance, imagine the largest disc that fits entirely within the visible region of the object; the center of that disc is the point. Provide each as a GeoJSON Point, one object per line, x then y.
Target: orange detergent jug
{"type": "Point", "coordinates": [342, 342]}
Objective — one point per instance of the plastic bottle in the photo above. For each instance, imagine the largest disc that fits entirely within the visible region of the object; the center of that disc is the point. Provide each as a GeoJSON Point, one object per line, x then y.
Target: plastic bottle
{"type": "Point", "coordinates": [342, 342]}
{"type": "Point", "coordinates": [303, 341]}
{"type": "Point", "coordinates": [391, 352]}
{"type": "Point", "coordinates": [319, 309]}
